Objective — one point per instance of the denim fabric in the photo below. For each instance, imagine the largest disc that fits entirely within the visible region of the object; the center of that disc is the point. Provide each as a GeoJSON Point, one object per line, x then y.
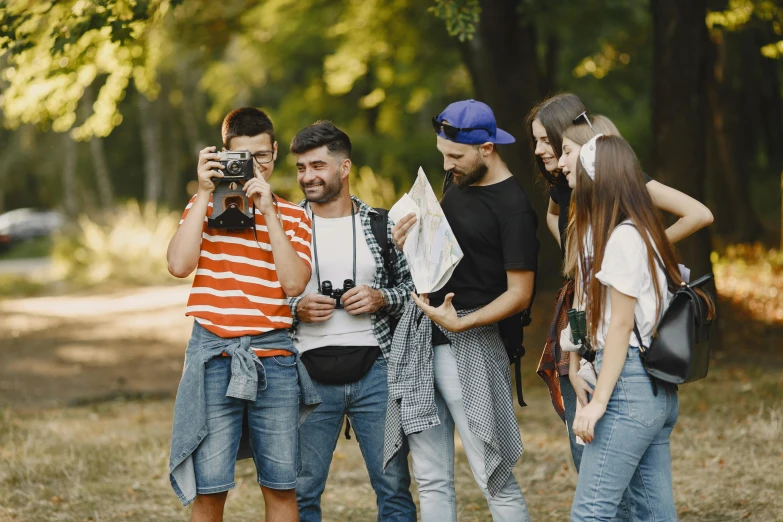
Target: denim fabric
{"type": "Point", "coordinates": [569, 403]}
{"type": "Point", "coordinates": [190, 424]}
{"type": "Point", "coordinates": [630, 450]}
{"type": "Point", "coordinates": [364, 402]}
{"type": "Point", "coordinates": [433, 454]}
{"type": "Point", "coordinates": [272, 426]}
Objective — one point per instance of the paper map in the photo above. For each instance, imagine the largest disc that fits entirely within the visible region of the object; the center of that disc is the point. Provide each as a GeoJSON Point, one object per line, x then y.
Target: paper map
{"type": "Point", "coordinates": [431, 249]}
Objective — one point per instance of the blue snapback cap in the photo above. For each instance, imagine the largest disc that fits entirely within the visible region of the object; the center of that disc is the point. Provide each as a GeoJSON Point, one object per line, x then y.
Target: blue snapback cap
{"type": "Point", "coordinates": [476, 124]}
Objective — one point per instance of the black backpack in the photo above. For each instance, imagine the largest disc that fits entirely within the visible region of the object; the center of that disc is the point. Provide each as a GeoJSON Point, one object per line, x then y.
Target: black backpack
{"type": "Point", "coordinates": [515, 352]}
{"type": "Point", "coordinates": [379, 223]}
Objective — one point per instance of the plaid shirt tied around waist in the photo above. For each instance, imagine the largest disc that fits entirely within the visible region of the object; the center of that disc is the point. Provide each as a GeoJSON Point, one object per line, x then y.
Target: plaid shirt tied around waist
{"type": "Point", "coordinates": [554, 361]}
{"type": "Point", "coordinates": [484, 377]}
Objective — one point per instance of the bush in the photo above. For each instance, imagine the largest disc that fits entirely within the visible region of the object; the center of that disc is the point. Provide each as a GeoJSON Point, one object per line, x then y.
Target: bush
{"type": "Point", "coordinates": [127, 247]}
{"type": "Point", "coordinates": [751, 276]}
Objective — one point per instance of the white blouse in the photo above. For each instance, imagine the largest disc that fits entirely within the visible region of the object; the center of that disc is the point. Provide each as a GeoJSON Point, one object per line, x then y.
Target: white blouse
{"type": "Point", "coordinates": [625, 268]}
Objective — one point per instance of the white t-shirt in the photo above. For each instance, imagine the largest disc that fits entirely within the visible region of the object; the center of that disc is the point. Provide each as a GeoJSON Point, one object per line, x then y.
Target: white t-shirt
{"type": "Point", "coordinates": [625, 268]}
{"type": "Point", "coordinates": [334, 240]}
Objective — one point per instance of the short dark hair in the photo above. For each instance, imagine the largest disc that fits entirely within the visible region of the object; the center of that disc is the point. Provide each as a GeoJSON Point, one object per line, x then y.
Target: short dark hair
{"type": "Point", "coordinates": [246, 121]}
{"type": "Point", "coordinates": [320, 133]}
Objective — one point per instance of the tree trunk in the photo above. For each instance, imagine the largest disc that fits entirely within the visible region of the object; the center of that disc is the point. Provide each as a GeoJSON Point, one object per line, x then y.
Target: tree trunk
{"type": "Point", "coordinates": [98, 154]}
{"type": "Point", "coordinates": [101, 172]}
{"type": "Point", "coordinates": [501, 60]}
{"type": "Point", "coordinates": [730, 140]}
{"type": "Point", "coordinates": [69, 175]}
{"type": "Point", "coordinates": [5, 165]}
{"type": "Point", "coordinates": [192, 103]}
{"type": "Point", "coordinates": [152, 149]}
{"type": "Point", "coordinates": [173, 192]}
{"type": "Point", "coordinates": [679, 109]}
{"type": "Point", "coordinates": [771, 111]}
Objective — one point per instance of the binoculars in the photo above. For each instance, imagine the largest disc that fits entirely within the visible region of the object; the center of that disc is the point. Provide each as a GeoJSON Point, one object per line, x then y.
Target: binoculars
{"type": "Point", "coordinates": [336, 293]}
{"type": "Point", "coordinates": [578, 322]}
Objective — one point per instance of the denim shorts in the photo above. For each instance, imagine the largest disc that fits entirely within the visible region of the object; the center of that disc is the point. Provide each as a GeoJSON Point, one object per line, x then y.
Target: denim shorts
{"type": "Point", "coordinates": [272, 420]}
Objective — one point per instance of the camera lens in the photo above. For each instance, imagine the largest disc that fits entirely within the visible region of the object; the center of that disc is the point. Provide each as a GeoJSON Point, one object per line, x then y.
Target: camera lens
{"type": "Point", "coordinates": [234, 167]}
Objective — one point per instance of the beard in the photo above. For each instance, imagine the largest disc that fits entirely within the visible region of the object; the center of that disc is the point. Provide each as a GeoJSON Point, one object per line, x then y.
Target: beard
{"type": "Point", "coordinates": [472, 175]}
{"type": "Point", "coordinates": [328, 193]}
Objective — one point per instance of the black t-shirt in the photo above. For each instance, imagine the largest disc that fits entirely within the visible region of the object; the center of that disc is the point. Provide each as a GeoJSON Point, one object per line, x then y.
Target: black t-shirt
{"type": "Point", "coordinates": [495, 226]}
{"type": "Point", "coordinates": [560, 193]}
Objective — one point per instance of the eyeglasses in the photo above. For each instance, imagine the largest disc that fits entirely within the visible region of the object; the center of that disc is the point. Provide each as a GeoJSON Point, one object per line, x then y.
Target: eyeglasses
{"type": "Point", "coordinates": [583, 115]}
{"type": "Point", "coordinates": [264, 156]}
{"type": "Point", "coordinates": [451, 131]}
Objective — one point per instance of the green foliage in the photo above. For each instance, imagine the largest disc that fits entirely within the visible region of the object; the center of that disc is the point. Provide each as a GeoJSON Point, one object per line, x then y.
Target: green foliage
{"type": "Point", "coordinates": [378, 69]}
{"type": "Point", "coordinates": [601, 51]}
{"type": "Point", "coordinates": [461, 16]}
{"type": "Point", "coordinates": [127, 246]}
{"type": "Point", "coordinates": [58, 49]}
{"type": "Point", "coordinates": [741, 14]}
{"type": "Point", "coordinates": [35, 247]}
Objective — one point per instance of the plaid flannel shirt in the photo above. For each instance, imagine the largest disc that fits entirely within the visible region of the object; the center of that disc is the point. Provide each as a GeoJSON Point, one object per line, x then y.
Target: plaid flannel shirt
{"type": "Point", "coordinates": [485, 381]}
{"type": "Point", "coordinates": [554, 360]}
{"type": "Point", "coordinates": [396, 287]}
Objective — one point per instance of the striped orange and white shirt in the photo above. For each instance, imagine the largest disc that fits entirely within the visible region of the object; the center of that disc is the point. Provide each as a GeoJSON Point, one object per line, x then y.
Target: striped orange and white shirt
{"type": "Point", "coordinates": [236, 290]}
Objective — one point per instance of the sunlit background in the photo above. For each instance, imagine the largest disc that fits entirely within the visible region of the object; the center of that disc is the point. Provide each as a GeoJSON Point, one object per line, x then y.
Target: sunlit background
{"type": "Point", "coordinates": [105, 104]}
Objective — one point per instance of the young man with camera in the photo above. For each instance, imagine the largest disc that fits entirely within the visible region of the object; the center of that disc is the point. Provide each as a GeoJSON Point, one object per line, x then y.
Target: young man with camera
{"type": "Point", "coordinates": [250, 250]}
{"type": "Point", "coordinates": [454, 371]}
{"type": "Point", "coordinates": [343, 324]}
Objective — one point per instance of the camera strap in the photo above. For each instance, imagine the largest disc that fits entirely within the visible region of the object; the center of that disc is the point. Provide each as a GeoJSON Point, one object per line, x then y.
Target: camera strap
{"type": "Point", "coordinates": [315, 246]}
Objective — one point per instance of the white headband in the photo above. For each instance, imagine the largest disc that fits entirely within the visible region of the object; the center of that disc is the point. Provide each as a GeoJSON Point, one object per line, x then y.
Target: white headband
{"type": "Point", "coordinates": [587, 156]}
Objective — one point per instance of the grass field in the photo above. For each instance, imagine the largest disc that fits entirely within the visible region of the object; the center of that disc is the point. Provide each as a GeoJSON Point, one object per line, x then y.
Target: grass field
{"type": "Point", "coordinates": [86, 397]}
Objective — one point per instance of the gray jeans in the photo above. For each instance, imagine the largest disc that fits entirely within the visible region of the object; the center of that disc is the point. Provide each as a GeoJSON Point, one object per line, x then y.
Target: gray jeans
{"type": "Point", "coordinates": [433, 454]}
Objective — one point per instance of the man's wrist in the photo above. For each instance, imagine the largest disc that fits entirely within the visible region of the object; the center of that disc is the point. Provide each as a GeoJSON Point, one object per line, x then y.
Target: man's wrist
{"type": "Point", "coordinates": [384, 299]}
{"type": "Point", "coordinates": [465, 323]}
{"type": "Point", "coordinates": [268, 212]}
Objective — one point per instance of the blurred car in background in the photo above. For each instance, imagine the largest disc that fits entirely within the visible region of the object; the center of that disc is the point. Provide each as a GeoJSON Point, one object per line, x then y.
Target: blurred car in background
{"type": "Point", "coordinates": [22, 224]}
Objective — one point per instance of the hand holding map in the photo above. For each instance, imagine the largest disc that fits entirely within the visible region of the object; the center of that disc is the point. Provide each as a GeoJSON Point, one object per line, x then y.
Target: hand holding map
{"type": "Point", "coordinates": [431, 249]}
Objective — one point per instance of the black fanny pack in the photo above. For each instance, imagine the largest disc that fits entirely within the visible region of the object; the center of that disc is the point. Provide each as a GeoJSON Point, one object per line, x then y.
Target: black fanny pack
{"type": "Point", "coordinates": [340, 364]}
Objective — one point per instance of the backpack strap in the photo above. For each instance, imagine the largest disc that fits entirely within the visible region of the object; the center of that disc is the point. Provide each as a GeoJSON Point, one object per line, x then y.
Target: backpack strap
{"type": "Point", "coordinates": [379, 224]}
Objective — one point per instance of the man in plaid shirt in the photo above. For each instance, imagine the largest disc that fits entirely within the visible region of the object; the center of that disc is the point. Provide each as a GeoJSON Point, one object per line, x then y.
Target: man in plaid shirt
{"type": "Point", "coordinates": [343, 324]}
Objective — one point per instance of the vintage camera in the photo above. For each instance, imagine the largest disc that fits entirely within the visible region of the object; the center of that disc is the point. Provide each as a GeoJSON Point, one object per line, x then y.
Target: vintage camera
{"type": "Point", "coordinates": [336, 293]}
{"type": "Point", "coordinates": [230, 207]}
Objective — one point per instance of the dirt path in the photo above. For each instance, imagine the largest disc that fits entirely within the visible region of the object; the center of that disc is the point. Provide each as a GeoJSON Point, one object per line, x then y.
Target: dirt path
{"type": "Point", "coordinates": [63, 350]}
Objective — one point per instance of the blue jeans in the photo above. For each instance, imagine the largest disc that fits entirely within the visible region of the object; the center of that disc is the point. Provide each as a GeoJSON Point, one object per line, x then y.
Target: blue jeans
{"type": "Point", "coordinates": [630, 451]}
{"type": "Point", "coordinates": [272, 421]}
{"type": "Point", "coordinates": [433, 454]}
{"type": "Point", "coordinates": [569, 403]}
{"type": "Point", "coordinates": [364, 402]}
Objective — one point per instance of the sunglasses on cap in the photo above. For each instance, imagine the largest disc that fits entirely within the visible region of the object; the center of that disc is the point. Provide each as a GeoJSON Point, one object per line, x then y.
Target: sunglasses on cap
{"type": "Point", "coordinates": [583, 115]}
{"type": "Point", "coordinates": [451, 131]}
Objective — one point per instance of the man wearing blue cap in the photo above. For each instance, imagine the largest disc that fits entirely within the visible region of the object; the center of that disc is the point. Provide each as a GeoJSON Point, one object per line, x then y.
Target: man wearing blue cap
{"type": "Point", "coordinates": [473, 315]}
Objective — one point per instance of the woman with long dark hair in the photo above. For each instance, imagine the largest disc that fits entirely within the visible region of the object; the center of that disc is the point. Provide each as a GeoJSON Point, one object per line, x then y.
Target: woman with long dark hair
{"type": "Point", "coordinates": [547, 122]}
{"type": "Point", "coordinates": [621, 260]}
